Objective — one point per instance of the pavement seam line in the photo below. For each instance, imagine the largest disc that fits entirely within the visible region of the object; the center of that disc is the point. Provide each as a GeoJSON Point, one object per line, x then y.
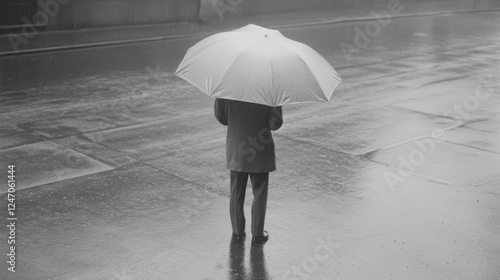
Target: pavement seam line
{"type": "Point", "coordinates": [409, 140]}
{"type": "Point", "coordinates": [314, 143]}
{"type": "Point", "coordinates": [418, 174]}
{"type": "Point", "coordinates": [186, 180]}
{"type": "Point", "coordinates": [471, 147]}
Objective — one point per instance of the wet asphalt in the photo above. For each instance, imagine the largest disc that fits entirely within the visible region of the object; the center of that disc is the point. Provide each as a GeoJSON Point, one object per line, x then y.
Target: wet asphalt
{"type": "Point", "coordinates": [120, 166]}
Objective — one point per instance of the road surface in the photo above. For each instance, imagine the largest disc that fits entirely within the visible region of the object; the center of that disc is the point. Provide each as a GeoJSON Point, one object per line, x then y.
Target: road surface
{"type": "Point", "coordinates": [120, 164]}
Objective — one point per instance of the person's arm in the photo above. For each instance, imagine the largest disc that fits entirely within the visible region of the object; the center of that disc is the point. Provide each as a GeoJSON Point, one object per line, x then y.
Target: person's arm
{"type": "Point", "coordinates": [220, 110]}
{"type": "Point", "coordinates": [276, 119]}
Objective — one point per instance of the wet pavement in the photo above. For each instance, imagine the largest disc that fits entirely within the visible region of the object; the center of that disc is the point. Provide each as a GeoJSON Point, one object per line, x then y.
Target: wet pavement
{"type": "Point", "coordinates": [120, 164]}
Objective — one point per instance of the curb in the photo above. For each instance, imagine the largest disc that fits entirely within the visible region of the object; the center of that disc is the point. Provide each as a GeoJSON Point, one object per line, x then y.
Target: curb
{"type": "Point", "coordinates": [362, 19]}
{"type": "Point", "coordinates": [276, 26]}
{"type": "Point", "coordinates": [92, 45]}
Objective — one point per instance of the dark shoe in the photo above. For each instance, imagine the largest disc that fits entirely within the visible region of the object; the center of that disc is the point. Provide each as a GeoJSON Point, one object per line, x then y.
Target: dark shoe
{"type": "Point", "coordinates": [238, 237]}
{"type": "Point", "coordinates": [260, 239]}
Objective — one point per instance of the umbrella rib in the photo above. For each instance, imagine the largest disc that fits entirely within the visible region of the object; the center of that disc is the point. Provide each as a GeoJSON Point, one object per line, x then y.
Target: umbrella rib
{"type": "Point", "coordinates": [307, 65]}
{"type": "Point", "coordinates": [248, 73]}
{"type": "Point", "coordinates": [199, 53]}
{"type": "Point", "coordinates": [273, 82]}
{"type": "Point", "coordinates": [230, 64]}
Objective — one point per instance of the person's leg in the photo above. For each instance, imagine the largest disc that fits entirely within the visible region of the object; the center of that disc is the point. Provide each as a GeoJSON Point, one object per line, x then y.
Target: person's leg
{"type": "Point", "coordinates": [260, 182]}
{"type": "Point", "coordinates": [237, 201]}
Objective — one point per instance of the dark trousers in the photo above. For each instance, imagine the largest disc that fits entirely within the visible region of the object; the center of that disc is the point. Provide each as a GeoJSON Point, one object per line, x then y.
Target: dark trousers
{"type": "Point", "coordinates": [260, 182]}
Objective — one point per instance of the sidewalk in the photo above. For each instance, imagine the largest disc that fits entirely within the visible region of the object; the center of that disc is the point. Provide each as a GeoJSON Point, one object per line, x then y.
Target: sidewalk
{"type": "Point", "coordinates": [27, 43]}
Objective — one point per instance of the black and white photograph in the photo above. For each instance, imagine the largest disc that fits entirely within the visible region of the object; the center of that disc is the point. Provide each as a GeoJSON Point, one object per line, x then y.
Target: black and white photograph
{"type": "Point", "coordinates": [250, 139]}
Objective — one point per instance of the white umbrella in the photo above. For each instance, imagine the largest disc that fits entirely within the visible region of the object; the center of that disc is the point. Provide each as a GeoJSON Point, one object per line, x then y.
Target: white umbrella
{"type": "Point", "coordinates": [258, 65]}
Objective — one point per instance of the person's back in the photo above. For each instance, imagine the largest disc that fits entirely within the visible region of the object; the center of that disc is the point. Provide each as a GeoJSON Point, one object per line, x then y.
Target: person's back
{"type": "Point", "coordinates": [249, 152]}
{"type": "Point", "coordinates": [250, 144]}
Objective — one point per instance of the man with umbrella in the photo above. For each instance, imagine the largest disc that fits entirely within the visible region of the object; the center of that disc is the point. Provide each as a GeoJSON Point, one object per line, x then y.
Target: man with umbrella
{"type": "Point", "coordinates": [253, 71]}
{"type": "Point", "coordinates": [249, 153]}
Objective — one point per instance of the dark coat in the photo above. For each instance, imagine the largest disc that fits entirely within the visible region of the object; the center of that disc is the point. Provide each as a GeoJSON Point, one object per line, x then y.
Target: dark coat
{"type": "Point", "coordinates": [249, 144]}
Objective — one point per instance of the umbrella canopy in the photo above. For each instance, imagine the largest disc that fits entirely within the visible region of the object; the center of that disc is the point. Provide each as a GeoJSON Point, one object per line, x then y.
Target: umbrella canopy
{"type": "Point", "coordinates": [258, 65]}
